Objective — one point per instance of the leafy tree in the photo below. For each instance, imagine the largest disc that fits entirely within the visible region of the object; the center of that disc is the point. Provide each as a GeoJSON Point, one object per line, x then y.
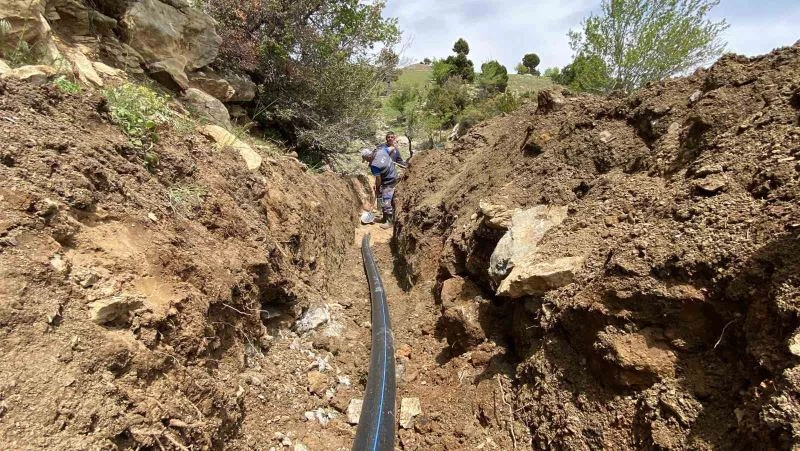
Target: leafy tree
{"type": "Point", "coordinates": [462, 67]}
{"type": "Point", "coordinates": [494, 77]}
{"type": "Point", "coordinates": [408, 102]}
{"type": "Point", "coordinates": [441, 71]}
{"type": "Point", "coordinates": [457, 65]}
{"type": "Point", "coordinates": [315, 62]}
{"type": "Point", "coordinates": [531, 60]}
{"type": "Point", "coordinates": [553, 73]}
{"type": "Point", "coordinates": [426, 61]}
{"type": "Point", "coordinates": [461, 47]}
{"type": "Point", "coordinates": [521, 69]}
{"type": "Point", "coordinates": [645, 40]}
{"type": "Point", "coordinates": [587, 73]}
{"type": "Point", "coordinates": [447, 101]}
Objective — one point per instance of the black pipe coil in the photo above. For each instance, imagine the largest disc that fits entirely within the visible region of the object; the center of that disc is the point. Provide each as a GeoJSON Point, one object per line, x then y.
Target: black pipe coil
{"type": "Point", "coordinates": [376, 426]}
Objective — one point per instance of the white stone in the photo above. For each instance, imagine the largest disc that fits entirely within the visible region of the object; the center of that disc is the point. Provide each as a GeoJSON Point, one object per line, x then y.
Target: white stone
{"type": "Point", "coordinates": [226, 140]}
{"type": "Point", "coordinates": [794, 344]}
{"type": "Point", "coordinates": [112, 309]}
{"type": "Point", "coordinates": [81, 66]}
{"type": "Point", "coordinates": [533, 277]}
{"type": "Point", "coordinates": [354, 410]}
{"type": "Point", "coordinates": [527, 229]}
{"type": "Point", "coordinates": [409, 408]}
{"type": "Point", "coordinates": [38, 75]}
{"type": "Point", "coordinates": [313, 318]}
{"type": "Point", "coordinates": [497, 216]}
{"type": "Point", "coordinates": [108, 71]}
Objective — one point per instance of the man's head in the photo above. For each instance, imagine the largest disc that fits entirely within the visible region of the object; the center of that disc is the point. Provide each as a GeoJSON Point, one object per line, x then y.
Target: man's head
{"type": "Point", "coordinates": [367, 154]}
{"type": "Point", "coordinates": [391, 139]}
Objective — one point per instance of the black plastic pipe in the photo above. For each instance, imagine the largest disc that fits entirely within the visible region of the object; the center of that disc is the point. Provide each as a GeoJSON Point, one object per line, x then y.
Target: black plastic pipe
{"type": "Point", "coordinates": [376, 426]}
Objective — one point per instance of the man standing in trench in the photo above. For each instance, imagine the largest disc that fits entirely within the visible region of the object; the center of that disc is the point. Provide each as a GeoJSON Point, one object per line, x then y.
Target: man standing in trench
{"type": "Point", "coordinates": [383, 167]}
{"type": "Point", "coordinates": [392, 149]}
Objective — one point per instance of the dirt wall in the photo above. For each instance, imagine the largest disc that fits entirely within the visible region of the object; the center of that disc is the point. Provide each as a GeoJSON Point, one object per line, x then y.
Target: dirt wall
{"type": "Point", "coordinates": [130, 298]}
{"type": "Point", "coordinates": [678, 329]}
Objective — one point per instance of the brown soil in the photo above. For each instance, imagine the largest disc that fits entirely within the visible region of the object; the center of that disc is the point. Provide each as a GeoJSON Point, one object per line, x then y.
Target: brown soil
{"type": "Point", "coordinates": [683, 198]}
{"type": "Point", "coordinates": [204, 269]}
{"type": "Point", "coordinates": [160, 309]}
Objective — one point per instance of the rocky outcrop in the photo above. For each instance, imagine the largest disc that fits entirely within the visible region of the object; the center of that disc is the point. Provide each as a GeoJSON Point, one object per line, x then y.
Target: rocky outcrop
{"type": "Point", "coordinates": [169, 39]}
{"type": "Point", "coordinates": [173, 37]}
{"type": "Point", "coordinates": [26, 20]}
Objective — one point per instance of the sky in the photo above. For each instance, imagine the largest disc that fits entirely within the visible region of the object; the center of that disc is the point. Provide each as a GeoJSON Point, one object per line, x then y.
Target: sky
{"type": "Point", "coordinates": [507, 29]}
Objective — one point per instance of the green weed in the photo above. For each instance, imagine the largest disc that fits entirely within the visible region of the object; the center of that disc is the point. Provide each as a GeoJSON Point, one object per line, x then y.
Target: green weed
{"type": "Point", "coordinates": [138, 110]}
{"type": "Point", "coordinates": [186, 196]}
{"type": "Point", "coordinates": [66, 86]}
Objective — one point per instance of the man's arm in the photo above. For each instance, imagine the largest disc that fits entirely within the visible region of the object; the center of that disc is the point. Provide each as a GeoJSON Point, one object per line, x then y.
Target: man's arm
{"type": "Point", "coordinates": [377, 185]}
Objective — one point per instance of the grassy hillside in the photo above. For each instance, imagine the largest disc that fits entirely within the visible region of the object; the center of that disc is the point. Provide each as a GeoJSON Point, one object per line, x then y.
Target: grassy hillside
{"type": "Point", "coordinates": [419, 75]}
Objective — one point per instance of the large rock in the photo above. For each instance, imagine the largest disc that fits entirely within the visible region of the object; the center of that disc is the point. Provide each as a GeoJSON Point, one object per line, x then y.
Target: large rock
{"type": "Point", "coordinates": [26, 18]}
{"type": "Point", "coordinates": [170, 73]}
{"type": "Point", "coordinates": [81, 66]}
{"type": "Point", "coordinates": [122, 56]}
{"type": "Point", "coordinates": [527, 229]}
{"type": "Point", "coordinates": [226, 88]}
{"type": "Point", "coordinates": [244, 90]}
{"type": "Point", "coordinates": [206, 106]}
{"type": "Point", "coordinates": [76, 18]}
{"type": "Point", "coordinates": [4, 68]}
{"type": "Point", "coordinates": [226, 140]}
{"type": "Point", "coordinates": [212, 84]}
{"type": "Point", "coordinates": [496, 216]}
{"type": "Point", "coordinates": [38, 75]}
{"type": "Point", "coordinates": [173, 33]}
{"type": "Point", "coordinates": [531, 276]}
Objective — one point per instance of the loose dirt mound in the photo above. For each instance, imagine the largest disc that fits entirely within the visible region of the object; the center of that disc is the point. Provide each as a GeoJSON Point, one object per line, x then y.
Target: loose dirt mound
{"type": "Point", "coordinates": [130, 300]}
{"type": "Point", "coordinates": [680, 327]}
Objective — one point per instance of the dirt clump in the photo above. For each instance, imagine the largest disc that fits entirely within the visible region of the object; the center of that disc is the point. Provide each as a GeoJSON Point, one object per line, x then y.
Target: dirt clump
{"type": "Point", "coordinates": [675, 323]}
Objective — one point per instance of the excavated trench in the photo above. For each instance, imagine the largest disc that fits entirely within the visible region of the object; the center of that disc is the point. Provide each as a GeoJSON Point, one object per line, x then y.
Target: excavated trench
{"type": "Point", "coordinates": [649, 299]}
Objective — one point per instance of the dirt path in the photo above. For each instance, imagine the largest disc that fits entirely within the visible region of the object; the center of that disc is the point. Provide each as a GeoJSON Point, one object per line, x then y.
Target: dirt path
{"type": "Point", "coordinates": [322, 371]}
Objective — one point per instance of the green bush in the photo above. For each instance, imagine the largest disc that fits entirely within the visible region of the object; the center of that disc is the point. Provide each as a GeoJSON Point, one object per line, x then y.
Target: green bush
{"type": "Point", "coordinates": [138, 110]}
{"type": "Point", "coordinates": [446, 102]}
{"type": "Point", "coordinates": [66, 86]}
{"type": "Point", "coordinates": [494, 77]}
{"type": "Point", "coordinates": [491, 107]}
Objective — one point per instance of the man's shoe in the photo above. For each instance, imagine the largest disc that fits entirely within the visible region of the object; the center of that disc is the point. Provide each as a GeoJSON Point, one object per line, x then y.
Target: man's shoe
{"type": "Point", "coordinates": [388, 222]}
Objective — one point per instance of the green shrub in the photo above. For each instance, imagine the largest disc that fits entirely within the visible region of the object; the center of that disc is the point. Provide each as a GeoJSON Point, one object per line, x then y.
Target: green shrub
{"type": "Point", "coordinates": [138, 110]}
{"type": "Point", "coordinates": [66, 86]}
{"type": "Point", "coordinates": [446, 102]}
{"type": "Point", "coordinates": [491, 107]}
{"type": "Point", "coordinates": [494, 77]}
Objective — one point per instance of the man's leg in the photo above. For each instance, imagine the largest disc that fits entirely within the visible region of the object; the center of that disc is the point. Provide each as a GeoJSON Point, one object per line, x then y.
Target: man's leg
{"type": "Point", "coordinates": [387, 197]}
